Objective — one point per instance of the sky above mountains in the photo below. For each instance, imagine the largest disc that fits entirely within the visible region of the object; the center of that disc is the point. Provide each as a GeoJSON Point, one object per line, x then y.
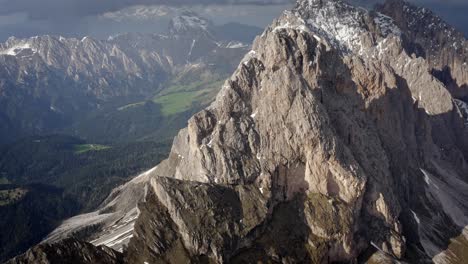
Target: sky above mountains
{"type": "Point", "coordinates": [77, 18]}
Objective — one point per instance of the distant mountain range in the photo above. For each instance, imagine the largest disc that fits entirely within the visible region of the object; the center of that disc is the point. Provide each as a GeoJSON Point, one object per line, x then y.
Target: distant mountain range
{"type": "Point", "coordinates": [127, 93]}
{"type": "Point", "coordinates": [51, 84]}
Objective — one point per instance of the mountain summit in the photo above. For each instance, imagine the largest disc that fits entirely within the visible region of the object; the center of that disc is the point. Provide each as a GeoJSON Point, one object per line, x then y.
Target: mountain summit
{"type": "Point", "coordinates": [190, 22]}
{"type": "Point", "coordinates": [334, 141]}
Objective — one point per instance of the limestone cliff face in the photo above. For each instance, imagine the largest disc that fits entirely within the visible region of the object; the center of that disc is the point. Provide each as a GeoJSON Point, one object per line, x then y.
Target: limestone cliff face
{"type": "Point", "coordinates": [444, 48]}
{"type": "Point", "coordinates": [332, 142]}
{"type": "Point", "coordinates": [327, 142]}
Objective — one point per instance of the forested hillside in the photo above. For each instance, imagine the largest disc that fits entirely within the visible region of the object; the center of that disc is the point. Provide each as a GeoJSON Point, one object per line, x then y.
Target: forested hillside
{"type": "Point", "coordinates": [44, 180]}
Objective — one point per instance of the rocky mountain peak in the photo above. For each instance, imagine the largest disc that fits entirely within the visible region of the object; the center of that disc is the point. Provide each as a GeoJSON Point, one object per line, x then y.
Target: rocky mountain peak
{"type": "Point", "coordinates": [344, 26]}
{"type": "Point", "coordinates": [312, 3]}
{"type": "Point", "coordinates": [319, 4]}
{"type": "Point", "coordinates": [303, 127]}
{"type": "Point", "coordinates": [425, 23]}
{"type": "Point", "coordinates": [190, 23]}
{"type": "Point", "coordinates": [442, 46]}
{"type": "Point", "coordinates": [337, 79]}
{"type": "Point", "coordinates": [17, 47]}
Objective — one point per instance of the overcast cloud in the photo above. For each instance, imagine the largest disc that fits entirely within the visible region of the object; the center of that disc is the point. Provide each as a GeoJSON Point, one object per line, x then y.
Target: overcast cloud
{"type": "Point", "coordinates": [59, 9]}
{"type": "Point", "coordinates": [100, 18]}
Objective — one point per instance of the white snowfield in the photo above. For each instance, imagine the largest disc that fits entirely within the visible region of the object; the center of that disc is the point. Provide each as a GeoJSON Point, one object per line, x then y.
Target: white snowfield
{"type": "Point", "coordinates": [115, 218]}
{"type": "Point", "coordinates": [16, 49]}
{"type": "Point", "coordinates": [236, 45]}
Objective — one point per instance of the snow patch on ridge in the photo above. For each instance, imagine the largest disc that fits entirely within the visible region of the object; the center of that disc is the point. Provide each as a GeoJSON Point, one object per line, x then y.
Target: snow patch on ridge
{"type": "Point", "coordinates": [462, 107]}
{"type": "Point", "coordinates": [387, 25]}
{"type": "Point", "coordinates": [427, 179]}
{"type": "Point", "coordinates": [116, 216]}
{"type": "Point", "coordinates": [416, 218]}
{"type": "Point", "coordinates": [120, 233]}
{"type": "Point", "coordinates": [191, 48]}
{"type": "Point", "coordinates": [253, 114]}
{"type": "Point", "coordinates": [341, 24]}
{"type": "Point", "coordinates": [236, 45]}
{"type": "Point", "coordinates": [288, 25]}
{"type": "Point", "coordinates": [248, 57]}
{"type": "Point", "coordinates": [16, 49]}
{"type": "Point", "coordinates": [343, 28]}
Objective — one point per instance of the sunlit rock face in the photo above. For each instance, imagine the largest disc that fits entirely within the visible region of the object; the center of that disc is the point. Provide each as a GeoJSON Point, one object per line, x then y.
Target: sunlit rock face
{"type": "Point", "coordinates": [332, 139]}
{"type": "Point", "coordinates": [444, 48]}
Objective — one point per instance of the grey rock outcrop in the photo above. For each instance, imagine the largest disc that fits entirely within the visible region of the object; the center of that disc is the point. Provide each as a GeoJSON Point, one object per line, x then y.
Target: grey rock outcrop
{"type": "Point", "coordinates": [444, 48]}
{"type": "Point", "coordinates": [326, 142]}
{"type": "Point", "coordinates": [69, 251]}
